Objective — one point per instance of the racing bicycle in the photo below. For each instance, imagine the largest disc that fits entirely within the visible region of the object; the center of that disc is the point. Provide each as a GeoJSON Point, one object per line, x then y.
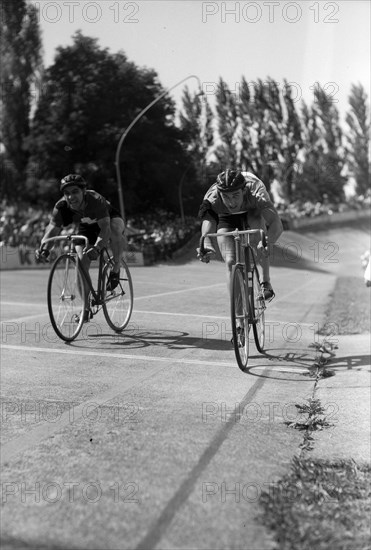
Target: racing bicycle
{"type": "Point", "coordinates": [246, 294]}
{"type": "Point", "coordinates": [67, 301]}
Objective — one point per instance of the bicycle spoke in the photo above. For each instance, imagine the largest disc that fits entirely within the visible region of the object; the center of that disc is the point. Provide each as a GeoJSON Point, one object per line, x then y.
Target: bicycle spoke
{"type": "Point", "coordinates": [118, 303]}
{"type": "Point", "coordinates": [258, 304]}
{"type": "Point", "coordinates": [66, 301]}
{"type": "Point", "coordinates": [239, 317]}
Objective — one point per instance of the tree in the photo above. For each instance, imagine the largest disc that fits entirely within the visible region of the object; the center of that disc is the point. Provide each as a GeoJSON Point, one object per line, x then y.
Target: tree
{"type": "Point", "coordinates": [89, 97]}
{"type": "Point", "coordinates": [20, 49]}
{"type": "Point", "coordinates": [268, 116]}
{"type": "Point", "coordinates": [226, 151]}
{"type": "Point", "coordinates": [357, 119]}
{"type": "Point", "coordinates": [247, 129]}
{"type": "Point", "coordinates": [322, 172]}
{"type": "Point", "coordinates": [292, 144]}
{"type": "Point", "coordinates": [197, 137]}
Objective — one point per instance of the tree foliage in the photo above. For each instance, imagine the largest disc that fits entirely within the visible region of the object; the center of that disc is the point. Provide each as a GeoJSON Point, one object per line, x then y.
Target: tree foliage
{"type": "Point", "coordinates": [197, 137]}
{"type": "Point", "coordinates": [358, 120]}
{"type": "Point", "coordinates": [321, 176]}
{"type": "Point", "coordinates": [226, 150]}
{"type": "Point", "coordinates": [89, 98]}
{"type": "Point", "coordinates": [20, 49]}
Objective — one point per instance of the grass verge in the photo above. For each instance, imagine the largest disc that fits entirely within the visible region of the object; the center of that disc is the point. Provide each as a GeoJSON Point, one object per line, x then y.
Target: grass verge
{"type": "Point", "coordinates": [320, 505]}
{"type": "Point", "coordinates": [349, 309]}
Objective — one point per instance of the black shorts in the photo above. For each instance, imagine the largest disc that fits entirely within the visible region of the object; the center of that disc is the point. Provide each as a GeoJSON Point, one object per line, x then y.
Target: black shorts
{"type": "Point", "coordinates": [233, 221]}
{"type": "Point", "coordinates": [90, 231]}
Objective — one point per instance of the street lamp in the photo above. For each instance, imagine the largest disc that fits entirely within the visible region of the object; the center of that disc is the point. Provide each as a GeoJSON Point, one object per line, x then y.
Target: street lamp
{"type": "Point", "coordinates": [123, 137]}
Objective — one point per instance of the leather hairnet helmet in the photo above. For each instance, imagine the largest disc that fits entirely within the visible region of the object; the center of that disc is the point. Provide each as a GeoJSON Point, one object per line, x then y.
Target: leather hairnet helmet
{"type": "Point", "coordinates": [73, 179]}
{"type": "Point", "coordinates": [230, 181]}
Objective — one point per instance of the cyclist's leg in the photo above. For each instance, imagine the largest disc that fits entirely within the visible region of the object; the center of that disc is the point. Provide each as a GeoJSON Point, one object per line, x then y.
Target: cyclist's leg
{"type": "Point", "coordinates": [227, 250]}
{"type": "Point", "coordinates": [117, 241]}
{"type": "Point", "coordinates": [86, 265]}
{"type": "Point", "coordinates": [257, 222]}
{"type": "Point", "coordinates": [91, 232]}
{"type": "Point", "coordinates": [227, 223]}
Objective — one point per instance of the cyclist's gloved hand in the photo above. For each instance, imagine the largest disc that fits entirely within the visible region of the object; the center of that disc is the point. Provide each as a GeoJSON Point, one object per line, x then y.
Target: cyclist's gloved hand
{"type": "Point", "coordinates": [42, 255]}
{"type": "Point", "coordinates": [263, 249]}
{"type": "Point", "coordinates": [92, 253]}
{"type": "Point", "coordinates": [206, 254]}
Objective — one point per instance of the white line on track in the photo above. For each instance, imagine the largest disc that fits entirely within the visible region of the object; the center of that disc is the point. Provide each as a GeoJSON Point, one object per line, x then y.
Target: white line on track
{"type": "Point", "coordinates": [22, 304]}
{"type": "Point", "coordinates": [123, 356]}
{"type": "Point", "coordinates": [216, 317]}
{"type": "Point", "coordinates": [166, 314]}
{"type": "Point", "coordinates": [25, 318]}
{"type": "Point", "coordinates": [193, 289]}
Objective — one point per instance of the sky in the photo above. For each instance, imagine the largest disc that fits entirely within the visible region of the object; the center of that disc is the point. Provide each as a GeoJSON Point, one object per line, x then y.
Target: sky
{"type": "Point", "coordinates": [305, 42]}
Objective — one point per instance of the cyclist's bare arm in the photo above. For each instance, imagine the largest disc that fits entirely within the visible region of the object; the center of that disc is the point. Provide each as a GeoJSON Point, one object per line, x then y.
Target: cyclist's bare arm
{"type": "Point", "coordinates": [206, 228]}
{"type": "Point", "coordinates": [51, 231]}
{"type": "Point", "coordinates": [105, 232]}
{"type": "Point", "coordinates": [274, 225]}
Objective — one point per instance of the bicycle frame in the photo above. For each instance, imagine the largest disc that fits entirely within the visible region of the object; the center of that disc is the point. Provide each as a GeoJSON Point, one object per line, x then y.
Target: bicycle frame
{"type": "Point", "coordinates": [244, 251]}
{"type": "Point", "coordinates": [239, 245]}
{"type": "Point", "coordinates": [72, 299]}
{"type": "Point", "coordinates": [97, 295]}
{"type": "Point", "coordinates": [247, 306]}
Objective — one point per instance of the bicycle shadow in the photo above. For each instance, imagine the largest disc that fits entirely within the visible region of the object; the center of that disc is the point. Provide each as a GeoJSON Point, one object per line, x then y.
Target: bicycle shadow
{"type": "Point", "coordinates": [135, 338]}
{"type": "Point", "coordinates": [306, 359]}
{"type": "Point", "coordinates": [349, 362]}
{"type": "Point", "coordinates": [273, 361]}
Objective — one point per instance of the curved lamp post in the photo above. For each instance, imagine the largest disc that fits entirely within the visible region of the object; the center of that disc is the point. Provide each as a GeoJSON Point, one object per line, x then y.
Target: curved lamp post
{"type": "Point", "coordinates": [124, 135]}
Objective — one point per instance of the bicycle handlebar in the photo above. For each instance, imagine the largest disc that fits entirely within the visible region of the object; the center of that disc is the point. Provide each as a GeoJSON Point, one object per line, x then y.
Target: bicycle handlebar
{"type": "Point", "coordinates": [236, 234]}
{"type": "Point", "coordinates": [67, 238]}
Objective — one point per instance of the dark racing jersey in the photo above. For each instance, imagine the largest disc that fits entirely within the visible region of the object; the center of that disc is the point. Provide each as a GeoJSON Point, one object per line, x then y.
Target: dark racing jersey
{"type": "Point", "coordinates": [255, 199]}
{"type": "Point", "coordinates": [95, 208]}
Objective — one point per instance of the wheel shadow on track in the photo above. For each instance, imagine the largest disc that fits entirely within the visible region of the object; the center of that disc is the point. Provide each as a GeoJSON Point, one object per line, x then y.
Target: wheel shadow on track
{"type": "Point", "coordinates": [137, 339]}
{"type": "Point", "coordinates": [283, 362]}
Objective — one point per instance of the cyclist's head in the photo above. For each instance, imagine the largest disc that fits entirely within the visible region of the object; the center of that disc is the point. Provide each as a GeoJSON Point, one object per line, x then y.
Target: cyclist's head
{"type": "Point", "coordinates": [73, 179]}
{"type": "Point", "coordinates": [230, 181]}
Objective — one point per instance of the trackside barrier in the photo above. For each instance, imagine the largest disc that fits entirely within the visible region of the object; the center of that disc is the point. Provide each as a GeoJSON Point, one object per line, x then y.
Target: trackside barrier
{"type": "Point", "coordinates": [23, 257]}
{"type": "Point", "coordinates": [329, 219]}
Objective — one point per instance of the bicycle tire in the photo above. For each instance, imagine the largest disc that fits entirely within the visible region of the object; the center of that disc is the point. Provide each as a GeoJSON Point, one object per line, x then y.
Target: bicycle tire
{"type": "Point", "coordinates": [239, 317]}
{"type": "Point", "coordinates": [118, 304]}
{"type": "Point", "coordinates": [258, 310]}
{"type": "Point", "coordinates": [66, 298]}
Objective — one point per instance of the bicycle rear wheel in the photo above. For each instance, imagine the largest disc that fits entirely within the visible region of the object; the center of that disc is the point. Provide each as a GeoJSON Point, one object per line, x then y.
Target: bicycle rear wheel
{"type": "Point", "coordinates": [118, 303]}
{"type": "Point", "coordinates": [66, 297]}
{"type": "Point", "coordinates": [239, 317]}
{"type": "Point", "coordinates": [258, 309]}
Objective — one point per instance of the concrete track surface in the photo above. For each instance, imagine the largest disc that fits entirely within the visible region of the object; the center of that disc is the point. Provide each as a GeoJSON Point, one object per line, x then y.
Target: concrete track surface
{"type": "Point", "coordinates": [154, 438]}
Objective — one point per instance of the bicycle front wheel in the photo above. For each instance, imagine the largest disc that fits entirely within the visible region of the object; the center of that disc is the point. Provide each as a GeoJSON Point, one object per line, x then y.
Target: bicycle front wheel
{"type": "Point", "coordinates": [66, 297]}
{"type": "Point", "coordinates": [258, 307]}
{"type": "Point", "coordinates": [239, 317]}
{"type": "Point", "coordinates": [118, 303]}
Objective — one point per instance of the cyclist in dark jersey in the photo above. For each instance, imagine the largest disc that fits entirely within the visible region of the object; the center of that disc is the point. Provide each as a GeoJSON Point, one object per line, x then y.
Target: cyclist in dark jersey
{"type": "Point", "coordinates": [94, 217]}
{"type": "Point", "coordinates": [239, 200]}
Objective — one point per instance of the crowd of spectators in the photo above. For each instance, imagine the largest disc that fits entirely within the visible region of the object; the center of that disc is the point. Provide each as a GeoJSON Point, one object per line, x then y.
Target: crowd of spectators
{"type": "Point", "coordinates": [21, 225]}
{"type": "Point", "coordinates": [158, 234]}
